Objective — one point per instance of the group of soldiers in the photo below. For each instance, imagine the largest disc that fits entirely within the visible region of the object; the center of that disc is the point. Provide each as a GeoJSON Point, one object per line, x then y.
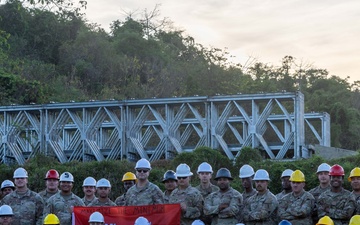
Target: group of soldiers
{"type": "Point", "coordinates": [206, 204]}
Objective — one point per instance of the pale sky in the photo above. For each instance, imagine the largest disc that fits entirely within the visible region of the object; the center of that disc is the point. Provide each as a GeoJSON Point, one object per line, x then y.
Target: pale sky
{"type": "Point", "coordinates": [322, 33]}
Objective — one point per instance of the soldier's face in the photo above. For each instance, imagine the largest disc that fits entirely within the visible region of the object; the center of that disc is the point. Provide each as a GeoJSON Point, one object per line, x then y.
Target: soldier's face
{"type": "Point", "coordinates": [6, 191]}
{"type": "Point", "coordinates": [52, 184]}
{"type": "Point", "coordinates": [223, 183]}
{"type": "Point", "coordinates": [170, 185]}
{"type": "Point", "coordinates": [89, 190]}
{"type": "Point", "coordinates": [355, 183]}
{"type": "Point", "coordinates": [6, 220]}
{"type": "Point", "coordinates": [261, 186]}
{"type": "Point", "coordinates": [128, 184]}
{"type": "Point", "coordinates": [324, 177]}
{"type": "Point", "coordinates": [66, 186]}
{"type": "Point", "coordinates": [142, 174]}
{"type": "Point", "coordinates": [103, 192]}
{"type": "Point", "coordinates": [285, 183]}
{"type": "Point", "coordinates": [204, 177]}
{"type": "Point", "coordinates": [246, 182]}
{"type": "Point", "coordinates": [297, 187]}
{"type": "Point", "coordinates": [183, 181]}
{"type": "Point", "coordinates": [20, 182]}
{"type": "Point", "coordinates": [336, 181]}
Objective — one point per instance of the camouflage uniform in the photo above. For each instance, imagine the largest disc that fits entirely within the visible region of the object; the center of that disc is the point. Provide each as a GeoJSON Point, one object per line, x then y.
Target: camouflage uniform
{"type": "Point", "coordinates": [96, 202]}
{"type": "Point", "coordinates": [206, 192]}
{"type": "Point", "coordinates": [27, 207]}
{"type": "Point", "coordinates": [341, 206]}
{"type": "Point", "coordinates": [297, 209]}
{"type": "Point", "coordinates": [260, 209]}
{"type": "Point", "coordinates": [227, 215]}
{"type": "Point", "coordinates": [357, 202]}
{"type": "Point", "coordinates": [61, 206]}
{"type": "Point", "coordinates": [281, 194]}
{"type": "Point", "coordinates": [46, 195]}
{"type": "Point", "coordinates": [148, 195]}
{"type": "Point", "coordinates": [166, 196]}
{"type": "Point", "coordinates": [120, 201]}
{"type": "Point", "coordinates": [87, 202]}
{"type": "Point", "coordinates": [247, 195]}
{"type": "Point", "coordinates": [194, 202]}
{"type": "Point", "coordinates": [316, 192]}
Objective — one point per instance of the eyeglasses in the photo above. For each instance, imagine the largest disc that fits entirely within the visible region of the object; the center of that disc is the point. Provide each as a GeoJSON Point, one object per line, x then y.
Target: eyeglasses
{"type": "Point", "coordinates": [182, 178]}
{"type": "Point", "coordinates": [144, 171]}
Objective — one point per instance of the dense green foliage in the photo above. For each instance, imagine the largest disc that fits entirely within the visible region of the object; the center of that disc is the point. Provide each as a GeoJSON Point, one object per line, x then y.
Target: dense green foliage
{"type": "Point", "coordinates": [114, 170]}
{"type": "Point", "coordinates": [57, 56]}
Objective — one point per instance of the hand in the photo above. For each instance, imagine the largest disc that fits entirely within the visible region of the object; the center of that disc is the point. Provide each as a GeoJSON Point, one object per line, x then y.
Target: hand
{"type": "Point", "coordinates": [183, 206]}
{"type": "Point", "coordinates": [223, 206]}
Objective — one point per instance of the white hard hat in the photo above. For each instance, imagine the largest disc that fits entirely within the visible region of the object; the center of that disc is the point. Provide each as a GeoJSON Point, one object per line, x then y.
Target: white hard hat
{"type": "Point", "coordinates": [66, 176]}
{"type": "Point", "coordinates": [205, 167]}
{"type": "Point", "coordinates": [198, 222]}
{"type": "Point", "coordinates": [96, 217]}
{"type": "Point", "coordinates": [324, 167]}
{"type": "Point", "coordinates": [103, 183]}
{"type": "Point", "coordinates": [142, 221]}
{"type": "Point", "coordinates": [20, 173]}
{"type": "Point", "coordinates": [286, 173]}
{"type": "Point", "coordinates": [261, 175]}
{"type": "Point", "coordinates": [7, 183]}
{"type": "Point", "coordinates": [6, 210]}
{"type": "Point", "coordinates": [246, 171]}
{"type": "Point", "coordinates": [143, 164]}
{"type": "Point", "coordinates": [89, 181]}
{"type": "Point", "coordinates": [183, 170]}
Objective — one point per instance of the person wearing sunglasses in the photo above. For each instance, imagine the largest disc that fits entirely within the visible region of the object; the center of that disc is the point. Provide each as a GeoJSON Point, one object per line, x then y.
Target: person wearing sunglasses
{"type": "Point", "coordinates": [143, 192]}
{"type": "Point", "coordinates": [190, 198]}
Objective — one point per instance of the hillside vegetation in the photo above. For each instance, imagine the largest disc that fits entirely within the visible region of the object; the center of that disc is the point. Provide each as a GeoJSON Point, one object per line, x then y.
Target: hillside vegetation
{"type": "Point", "coordinates": [59, 56]}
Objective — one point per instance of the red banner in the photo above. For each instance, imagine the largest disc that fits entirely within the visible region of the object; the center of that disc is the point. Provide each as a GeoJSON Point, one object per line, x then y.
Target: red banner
{"type": "Point", "coordinates": [161, 214]}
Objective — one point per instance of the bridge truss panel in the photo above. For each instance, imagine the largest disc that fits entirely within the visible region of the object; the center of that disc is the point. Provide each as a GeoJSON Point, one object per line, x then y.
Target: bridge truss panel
{"type": "Point", "coordinates": [161, 128]}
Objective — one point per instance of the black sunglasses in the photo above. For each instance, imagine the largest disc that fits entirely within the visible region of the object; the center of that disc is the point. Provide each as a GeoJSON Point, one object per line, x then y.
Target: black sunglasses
{"type": "Point", "coordinates": [144, 171]}
{"type": "Point", "coordinates": [182, 178]}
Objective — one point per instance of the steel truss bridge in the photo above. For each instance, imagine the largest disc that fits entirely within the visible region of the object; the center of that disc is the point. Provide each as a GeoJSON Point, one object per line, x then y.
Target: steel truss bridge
{"type": "Point", "coordinates": [161, 128]}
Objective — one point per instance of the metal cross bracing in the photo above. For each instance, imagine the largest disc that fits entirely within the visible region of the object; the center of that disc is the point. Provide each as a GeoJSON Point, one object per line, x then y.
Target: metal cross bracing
{"type": "Point", "coordinates": [161, 128]}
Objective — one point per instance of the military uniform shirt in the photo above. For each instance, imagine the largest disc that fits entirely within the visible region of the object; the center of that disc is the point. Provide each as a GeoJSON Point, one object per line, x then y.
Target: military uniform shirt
{"type": "Point", "coordinates": [226, 216]}
{"type": "Point", "coordinates": [87, 202]}
{"type": "Point", "coordinates": [193, 200]}
{"type": "Point", "coordinates": [341, 206]}
{"type": "Point", "coordinates": [281, 194]}
{"type": "Point", "coordinates": [148, 195]}
{"type": "Point", "coordinates": [357, 201]}
{"type": "Point", "coordinates": [96, 202]}
{"type": "Point", "coordinates": [247, 195]}
{"type": "Point", "coordinates": [297, 209]}
{"type": "Point", "coordinates": [120, 201]}
{"type": "Point", "coordinates": [27, 207]}
{"type": "Point", "coordinates": [46, 195]}
{"type": "Point", "coordinates": [61, 206]}
{"type": "Point", "coordinates": [316, 192]}
{"type": "Point", "coordinates": [206, 191]}
{"type": "Point", "coordinates": [260, 209]}
{"type": "Point", "coordinates": [166, 196]}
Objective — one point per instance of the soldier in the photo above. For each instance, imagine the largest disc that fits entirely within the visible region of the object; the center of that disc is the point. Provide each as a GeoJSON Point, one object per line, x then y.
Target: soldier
{"type": "Point", "coordinates": [354, 178]}
{"type": "Point", "coordinates": [297, 206]}
{"type": "Point", "coordinates": [52, 184]}
{"type": "Point", "coordinates": [223, 205]}
{"type": "Point", "coordinates": [6, 215]}
{"type": "Point", "coordinates": [204, 173]}
{"type": "Point", "coordinates": [51, 219]}
{"type": "Point", "coordinates": [143, 192]}
{"type": "Point", "coordinates": [337, 203]}
{"type": "Point", "coordinates": [324, 180]}
{"type": "Point", "coordinates": [89, 189]}
{"type": "Point", "coordinates": [285, 183]}
{"type": "Point", "coordinates": [96, 218]}
{"type": "Point", "coordinates": [27, 205]}
{"type": "Point", "coordinates": [170, 182]}
{"type": "Point", "coordinates": [246, 176]}
{"type": "Point", "coordinates": [325, 221]}
{"type": "Point", "coordinates": [260, 209]}
{"type": "Point", "coordinates": [62, 203]}
{"type": "Point", "coordinates": [129, 180]}
{"type": "Point", "coordinates": [190, 198]}
{"type": "Point", "coordinates": [7, 186]}
{"type": "Point", "coordinates": [103, 189]}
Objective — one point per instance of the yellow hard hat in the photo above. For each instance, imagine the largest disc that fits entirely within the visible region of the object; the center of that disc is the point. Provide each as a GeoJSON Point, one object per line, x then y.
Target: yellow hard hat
{"type": "Point", "coordinates": [354, 173]}
{"type": "Point", "coordinates": [297, 176]}
{"type": "Point", "coordinates": [128, 176]}
{"type": "Point", "coordinates": [325, 221]}
{"type": "Point", "coordinates": [51, 219]}
{"type": "Point", "coordinates": [355, 220]}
